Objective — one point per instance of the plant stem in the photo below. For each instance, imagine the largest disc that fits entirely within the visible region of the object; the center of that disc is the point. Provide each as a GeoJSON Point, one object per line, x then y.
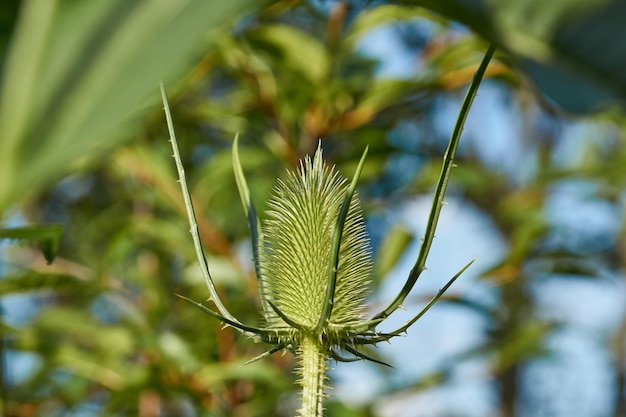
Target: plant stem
{"type": "Point", "coordinates": [312, 358]}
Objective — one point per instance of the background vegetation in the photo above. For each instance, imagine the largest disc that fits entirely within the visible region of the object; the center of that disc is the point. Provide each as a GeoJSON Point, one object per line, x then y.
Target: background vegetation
{"type": "Point", "coordinates": [84, 144]}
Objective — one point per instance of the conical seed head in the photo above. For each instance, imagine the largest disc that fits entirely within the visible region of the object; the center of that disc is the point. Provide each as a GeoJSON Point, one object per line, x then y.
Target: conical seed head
{"type": "Point", "coordinates": [298, 236]}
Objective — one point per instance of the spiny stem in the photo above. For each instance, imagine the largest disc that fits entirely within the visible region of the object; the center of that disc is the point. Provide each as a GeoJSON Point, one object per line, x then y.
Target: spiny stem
{"type": "Point", "coordinates": [312, 357]}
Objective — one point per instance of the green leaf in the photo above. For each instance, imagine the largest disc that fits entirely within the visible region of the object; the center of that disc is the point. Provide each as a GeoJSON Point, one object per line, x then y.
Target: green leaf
{"type": "Point", "coordinates": [47, 236]}
{"type": "Point", "coordinates": [383, 15]}
{"type": "Point", "coordinates": [77, 78]}
{"type": "Point", "coordinates": [32, 281]}
{"type": "Point", "coordinates": [391, 249]}
{"type": "Point", "coordinates": [294, 48]}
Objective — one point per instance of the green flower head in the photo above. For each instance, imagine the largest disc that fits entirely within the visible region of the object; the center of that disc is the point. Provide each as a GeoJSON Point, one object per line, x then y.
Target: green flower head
{"type": "Point", "coordinates": [313, 264]}
{"type": "Point", "coordinates": [298, 238]}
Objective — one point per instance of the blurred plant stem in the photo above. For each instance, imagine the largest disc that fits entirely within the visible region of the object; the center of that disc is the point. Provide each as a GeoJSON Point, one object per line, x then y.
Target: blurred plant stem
{"type": "Point", "coordinates": [4, 395]}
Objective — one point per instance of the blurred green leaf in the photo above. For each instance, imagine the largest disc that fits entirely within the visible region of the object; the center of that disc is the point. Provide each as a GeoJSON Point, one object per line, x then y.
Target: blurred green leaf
{"type": "Point", "coordinates": [78, 72]}
{"type": "Point", "coordinates": [32, 281]}
{"type": "Point", "coordinates": [293, 48]}
{"type": "Point", "coordinates": [385, 14]}
{"type": "Point", "coordinates": [47, 236]}
{"type": "Point", "coordinates": [391, 249]}
{"type": "Point", "coordinates": [572, 49]}
{"type": "Point", "coordinates": [525, 341]}
{"type": "Point", "coordinates": [257, 371]}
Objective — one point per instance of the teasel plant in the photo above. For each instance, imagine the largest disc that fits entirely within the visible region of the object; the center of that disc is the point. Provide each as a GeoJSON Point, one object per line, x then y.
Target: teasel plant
{"type": "Point", "coordinates": [313, 263]}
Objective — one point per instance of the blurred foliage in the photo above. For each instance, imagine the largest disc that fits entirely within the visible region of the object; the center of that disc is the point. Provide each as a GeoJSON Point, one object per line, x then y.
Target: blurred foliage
{"type": "Point", "coordinates": [75, 71]}
{"type": "Point", "coordinates": [47, 236]}
{"type": "Point", "coordinates": [556, 43]}
{"type": "Point", "coordinates": [84, 144]}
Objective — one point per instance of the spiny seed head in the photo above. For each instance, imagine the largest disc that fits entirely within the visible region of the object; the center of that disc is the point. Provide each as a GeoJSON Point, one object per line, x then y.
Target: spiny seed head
{"type": "Point", "coordinates": [298, 234]}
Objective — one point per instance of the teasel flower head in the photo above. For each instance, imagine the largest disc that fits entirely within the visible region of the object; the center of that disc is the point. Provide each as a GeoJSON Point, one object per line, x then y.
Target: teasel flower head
{"type": "Point", "coordinates": [297, 244]}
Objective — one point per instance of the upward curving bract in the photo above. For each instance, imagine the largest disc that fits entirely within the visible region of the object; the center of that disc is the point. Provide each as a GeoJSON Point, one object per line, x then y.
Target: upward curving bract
{"type": "Point", "coordinates": [298, 234]}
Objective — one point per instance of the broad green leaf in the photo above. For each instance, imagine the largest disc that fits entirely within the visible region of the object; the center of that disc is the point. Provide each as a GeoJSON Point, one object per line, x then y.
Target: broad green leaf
{"type": "Point", "coordinates": [79, 73]}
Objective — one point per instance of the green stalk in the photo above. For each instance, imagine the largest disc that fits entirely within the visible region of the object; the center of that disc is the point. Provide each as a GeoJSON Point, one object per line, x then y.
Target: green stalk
{"type": "Point", "coordinates": [312, 359]}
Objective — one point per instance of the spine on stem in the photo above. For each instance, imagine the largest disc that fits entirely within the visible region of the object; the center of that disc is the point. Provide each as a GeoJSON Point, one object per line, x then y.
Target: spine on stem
{"type": "Point", "coordinates": [312, 367]}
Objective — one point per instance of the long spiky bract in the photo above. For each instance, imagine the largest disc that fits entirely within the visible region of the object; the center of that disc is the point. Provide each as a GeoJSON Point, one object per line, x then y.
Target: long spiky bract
{"type": "Point", "coordinates": [440, 190]}
{"type": "Point", "coordinates": [336, 245]}
{"type": "Point", "coordinates": [254, 225]}
{"type": "Point", "coordinates": [313, 262]}
{"type": "Point", "coordinates": [193, 225]}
